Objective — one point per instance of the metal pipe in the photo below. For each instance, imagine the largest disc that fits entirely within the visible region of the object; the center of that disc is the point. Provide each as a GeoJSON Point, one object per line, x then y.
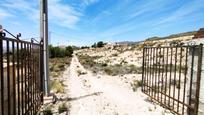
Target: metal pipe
{"type": "Point", "coordinates": [44, 37]}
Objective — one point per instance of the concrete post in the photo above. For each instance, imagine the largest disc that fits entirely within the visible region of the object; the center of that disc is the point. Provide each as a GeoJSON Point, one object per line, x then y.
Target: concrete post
{"type": "Point", "coordinates": [201, 96]}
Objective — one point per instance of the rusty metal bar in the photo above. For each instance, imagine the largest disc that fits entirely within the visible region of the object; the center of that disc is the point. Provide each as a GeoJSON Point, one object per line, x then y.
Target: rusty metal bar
{"type": "Point", "coordinates": [2, 73]}
{"type": "Point", "coordinates": [156, 74]}
{"type": "Point", "coordinates": [179, 82]}
{"type": "Point", "coordinates": [8, 76]}
{"type": "Point", "coordinates": [151, 77]}
{"type": "Point", "coordinates": [153, 73]}
{"type": "Point", "coordinates": [143, 71]}
{"type": "Point", "coordinates": [175, 62]}
{"type": "Point", "coordinates": [162, 80]}
{"type": "Point", "coordinates": [199, 68]}
{"type": "Point", "coordinates": [191, 77]}
{"type": "Point", "coordinates": [170, 75]}
{"type": "Point", "coordinates": [21, 64]}
{"type": "Point", "coordinates": [185, 75]}
{"type": "Point", "coordinates": [14, 79]}
{"type": "Point", "coordinates": [18, 77]}
{"type": "Point", "coordinates": [25, 75]}
{"type": "Point", "coordinates": [158, 82]}
{"type": "Point", "coordinates": [166, 75]}
{"type": "Point", "coordinates": [148, 71]}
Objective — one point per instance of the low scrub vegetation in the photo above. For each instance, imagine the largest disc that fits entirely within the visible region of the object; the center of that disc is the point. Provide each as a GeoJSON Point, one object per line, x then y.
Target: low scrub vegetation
{"type": "Point", "coordinates": [47, 110]}
{"type": "Point", "coordinates": [63, 108]}
{"type": "Point", "coordinates": [57, 86]}
{"type": "Point", "coordinates": [113, 70]}
{"type": "Point", "coordinates": [80, 72]}
{"type": "Point", "coordinates": [119, 69]}
{"type": "Point", "coordinates": [58, 65]}
{"type": "Point", "coordinates": [136, 84]}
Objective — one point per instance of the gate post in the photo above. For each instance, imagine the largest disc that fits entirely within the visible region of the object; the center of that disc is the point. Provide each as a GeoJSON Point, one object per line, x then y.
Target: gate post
{"type": "Point", "coordinates": [143, 70]}
{"type": "Point", "coordinates": [198, 78]}
{"type": "Point", "coordinates": [1, 72]}
{"type": "Point", "coordinates": [198, 88]}
{"type": "Point", "coordinates": [42, 81]}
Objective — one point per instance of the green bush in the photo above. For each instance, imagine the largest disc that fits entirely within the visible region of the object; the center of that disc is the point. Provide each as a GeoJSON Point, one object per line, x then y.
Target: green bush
{"type": "Point", "coordinates": [98, 44]}
{"type": "Point", "coordinates": [62, 108]}
{"type": "Point", "coordinates": [104, 64]}
{"type": "Point", "coordinates": [47, 111]}
{"type": "Point", "coordinates": [60, 52]}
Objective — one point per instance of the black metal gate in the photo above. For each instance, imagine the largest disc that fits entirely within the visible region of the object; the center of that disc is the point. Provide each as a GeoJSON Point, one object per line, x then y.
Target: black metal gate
{"type": "Point", "coordinates": [171, 76]}
{"type": "Point", "coordinates": [21, 79]}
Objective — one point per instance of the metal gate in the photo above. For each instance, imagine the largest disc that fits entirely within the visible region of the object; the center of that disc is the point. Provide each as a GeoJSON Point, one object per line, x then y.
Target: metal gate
{"type": "Point", "coordinates": [171, 76]}
{"type": "Point", "coordinates": [21, 80]}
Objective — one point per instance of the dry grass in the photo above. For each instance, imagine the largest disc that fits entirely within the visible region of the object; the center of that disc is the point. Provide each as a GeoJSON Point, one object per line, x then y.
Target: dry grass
{"type": "Point", "coordinates": [58, 65]}
{"type": "Point", "coordinates": [57, 86]}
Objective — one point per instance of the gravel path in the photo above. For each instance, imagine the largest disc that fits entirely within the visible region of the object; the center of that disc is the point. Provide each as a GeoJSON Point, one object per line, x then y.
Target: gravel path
{"type": "Point", "coordinates": [105, 95]}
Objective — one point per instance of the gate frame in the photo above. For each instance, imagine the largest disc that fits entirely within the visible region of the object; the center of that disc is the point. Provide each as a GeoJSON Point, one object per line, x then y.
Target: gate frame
{"type": "Point", "coordinates": [198, 75]}
{"type": "Point", "coordinates": [31, 107]}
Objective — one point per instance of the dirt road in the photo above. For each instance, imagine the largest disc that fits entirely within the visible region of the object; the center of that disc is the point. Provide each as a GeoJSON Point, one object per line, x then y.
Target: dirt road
{"type": "Point", "coordinates": [105, 95]}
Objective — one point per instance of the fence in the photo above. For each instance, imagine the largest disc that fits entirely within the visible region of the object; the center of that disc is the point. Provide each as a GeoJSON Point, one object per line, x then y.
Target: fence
{"type": "Point", "coordinates": [171, 77]}
{"type": "Point", "coordinates": [21, 83]}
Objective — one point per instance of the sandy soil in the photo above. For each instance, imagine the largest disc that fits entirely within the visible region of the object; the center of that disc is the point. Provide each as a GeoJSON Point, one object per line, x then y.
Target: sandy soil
{"type": "Point", "coordinates": [105, 95]}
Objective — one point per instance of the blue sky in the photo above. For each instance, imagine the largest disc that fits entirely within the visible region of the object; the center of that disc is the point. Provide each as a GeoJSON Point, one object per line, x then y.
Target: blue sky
{"type": "Point", "coordinates": [83, 22]}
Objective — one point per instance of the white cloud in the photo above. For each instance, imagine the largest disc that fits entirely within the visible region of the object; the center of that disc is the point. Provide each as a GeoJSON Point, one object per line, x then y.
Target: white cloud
{"type": "Point", "coordinates": [28, 8]}
{"type": "Point", "coordinates": [63, 14]}
{"type": "Point", "coordinates": [66, 15]}
{"type": "Point", "coordinates": [89, 2]}
{"type": "Point", "coordinates": [59, 13]}
{"type": "Point", "coordinates": [183, 12]}
{"type": "Point", "coordinates": [4, 14]}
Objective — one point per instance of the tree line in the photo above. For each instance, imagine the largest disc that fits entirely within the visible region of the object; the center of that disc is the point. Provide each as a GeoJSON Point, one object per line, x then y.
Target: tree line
{"type": "Point", "coordinates": [60, 52]}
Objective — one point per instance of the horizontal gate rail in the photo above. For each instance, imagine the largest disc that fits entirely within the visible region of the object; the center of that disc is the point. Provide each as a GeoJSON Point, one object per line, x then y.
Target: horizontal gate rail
{"type": "Point", "coordinates": [21, 83]}
{"type": "Point", "coordinates": [171, 76]}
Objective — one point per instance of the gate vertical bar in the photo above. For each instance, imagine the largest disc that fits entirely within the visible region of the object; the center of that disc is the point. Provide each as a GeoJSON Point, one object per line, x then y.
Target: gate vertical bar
{"type": "Point", "coordinates": [143, 69]}
{"type": "Point", "coordinates": [18, 77]}
{"type": "Point", "coordinates": [2, 73]}
{"type": "Point", "coordinates": [26, 75]}
{"type": "Point", "coordinates": [170, 76]}
{"type": "Point", "coordinates": [191, 78]}
{"type": "Point", "coordinates": [41, 70]}
{"type": "Point", "coordinates": [21, 57]}
{"type": "Point", "coordinates": [158, 81]}
{"type": "Point", "coordinates": [8, 76]}
{"type": "Point", "coordinates": [185, 75]}
{"type": "Point", "coordinates": [175, 62]}
{"type": "Point", "coordinates": [14, 79]}
{"type": "Point", "coordinates": [199, 67]}
{"type": "Point", "coordinates": [166, 75]}
{"type": "Point", "coordinates": [179, 84]}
